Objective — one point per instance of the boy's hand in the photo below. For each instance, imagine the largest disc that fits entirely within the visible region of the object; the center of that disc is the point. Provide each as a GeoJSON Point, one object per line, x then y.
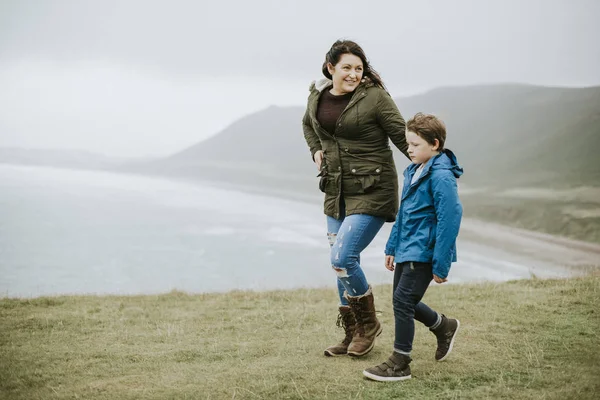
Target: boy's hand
{"type": "Point", "coordinates": [437, 279]}
{"type": "Point", "coordinates": [389, 262]}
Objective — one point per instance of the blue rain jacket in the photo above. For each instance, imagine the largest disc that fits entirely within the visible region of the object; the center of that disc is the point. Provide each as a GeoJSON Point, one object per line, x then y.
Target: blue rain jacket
{"type": "Point", "coordinates": [429, 216]}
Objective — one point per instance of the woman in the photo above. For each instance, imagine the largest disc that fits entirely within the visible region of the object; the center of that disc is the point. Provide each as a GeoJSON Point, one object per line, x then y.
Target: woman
{"type": "Point", "coordinates": [347, 123]}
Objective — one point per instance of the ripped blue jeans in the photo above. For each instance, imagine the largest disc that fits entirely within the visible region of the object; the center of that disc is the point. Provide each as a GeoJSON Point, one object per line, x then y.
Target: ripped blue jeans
{"type": "Point", "coordinates": [348, 237]}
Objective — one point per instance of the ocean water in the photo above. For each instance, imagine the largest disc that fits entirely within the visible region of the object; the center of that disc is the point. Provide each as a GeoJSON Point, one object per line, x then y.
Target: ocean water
{"type": "Point", "coordinates": [86, 232]}
{"type": "Point", "coordinates": [66, 232]}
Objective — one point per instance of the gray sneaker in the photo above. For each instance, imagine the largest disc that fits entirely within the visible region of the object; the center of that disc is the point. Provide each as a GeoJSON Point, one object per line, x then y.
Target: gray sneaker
{"type": "Point", "coordinates": [395, 368]}
{"type": "Point", "coordinates": [446, 334]}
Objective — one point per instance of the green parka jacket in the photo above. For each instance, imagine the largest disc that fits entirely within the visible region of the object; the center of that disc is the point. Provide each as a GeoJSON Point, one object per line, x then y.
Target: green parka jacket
{"type": "Point", "coordinates": [358, 165]}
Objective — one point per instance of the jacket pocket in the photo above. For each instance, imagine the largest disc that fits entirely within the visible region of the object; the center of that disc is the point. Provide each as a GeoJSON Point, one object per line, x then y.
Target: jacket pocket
{"type": "Point", "coordinates": [365, 177]}
{"type": "Point", "coordinates": [432, 234]}
{"type": "Point", "coordinates": [328, 182]}
{"type": "Point", "coordinates": [322, 183]}
{"type": "Point", "coordinates": [323, 177]}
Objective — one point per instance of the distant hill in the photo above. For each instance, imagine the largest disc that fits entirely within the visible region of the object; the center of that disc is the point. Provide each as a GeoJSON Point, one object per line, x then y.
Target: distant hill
{"type": "Point", "coordinates": [524, 149]}
{"type": "Point", "coordinates": [504, 135]}
{"type": "Point", "coordinates": [264, 149]}
{"type": "Point", "coordinates": [519, 134]}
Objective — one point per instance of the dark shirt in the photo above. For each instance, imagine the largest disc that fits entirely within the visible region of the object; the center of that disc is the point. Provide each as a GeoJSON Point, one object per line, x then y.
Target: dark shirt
{"type": "Point", "coordinates": [330, 108]}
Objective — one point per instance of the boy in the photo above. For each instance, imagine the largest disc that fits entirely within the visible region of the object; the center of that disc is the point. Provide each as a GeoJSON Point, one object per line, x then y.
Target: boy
{"type": "Point", "coordinates": [422, 243]}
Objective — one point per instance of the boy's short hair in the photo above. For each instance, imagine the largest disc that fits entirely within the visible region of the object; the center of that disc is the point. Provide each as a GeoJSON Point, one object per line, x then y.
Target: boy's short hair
{"type": "Point", "coordinates": [429, 127]}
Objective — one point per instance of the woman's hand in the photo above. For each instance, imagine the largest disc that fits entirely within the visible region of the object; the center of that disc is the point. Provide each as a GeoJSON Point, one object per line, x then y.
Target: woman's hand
{"type": "Point", "coordinates": [389, 262]}
{"type": "Point", "coordinates": [437, 279]}
{"type": "Point", "coordinates": [318, 157]}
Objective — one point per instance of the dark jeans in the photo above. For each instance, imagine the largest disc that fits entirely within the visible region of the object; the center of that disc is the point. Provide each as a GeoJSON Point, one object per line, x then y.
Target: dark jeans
{"type": "Point", "coordinates": [411, 280]}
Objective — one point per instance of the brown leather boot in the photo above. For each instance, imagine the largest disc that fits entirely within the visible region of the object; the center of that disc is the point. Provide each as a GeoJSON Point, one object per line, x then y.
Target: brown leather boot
{"type": "Point", "coordinates": [367, 325]}
{"type": "Point", "coordinates": [345, 320]}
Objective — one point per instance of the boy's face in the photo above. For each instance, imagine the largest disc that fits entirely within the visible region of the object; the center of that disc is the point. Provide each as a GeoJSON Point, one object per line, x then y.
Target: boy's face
{"type": "Point", "coordinates": [418, 149]}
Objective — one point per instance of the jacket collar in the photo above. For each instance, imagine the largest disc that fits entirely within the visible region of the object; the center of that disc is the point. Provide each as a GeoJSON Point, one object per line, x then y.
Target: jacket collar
{"type": "Point", "coordinates": [317, 87]}
{"type": "Point", "coordinates": [321, 84]}
{"type": "Point", "coordinates": [445, 160]}
{"type": "Point", "coordinates": [410, 171]}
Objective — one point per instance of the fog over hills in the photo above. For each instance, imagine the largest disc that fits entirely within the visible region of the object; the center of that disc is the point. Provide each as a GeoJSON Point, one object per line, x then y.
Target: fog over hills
{"type": "Point", "coordinates": [519, 134]}
{"type": "Point", "coordinates": [529, 153]}
{"type": "Point", "coordinates": [504, 135]}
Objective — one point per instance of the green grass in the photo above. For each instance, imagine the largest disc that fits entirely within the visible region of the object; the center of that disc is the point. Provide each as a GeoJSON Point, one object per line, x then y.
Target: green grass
{"type": "Point", "coordinates": [531, 339]}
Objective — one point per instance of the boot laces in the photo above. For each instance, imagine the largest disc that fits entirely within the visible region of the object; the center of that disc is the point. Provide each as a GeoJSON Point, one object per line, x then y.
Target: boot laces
{"type": "Point", "coordinates": [361, 315]}
{"type": "Point", "coordinates": [341, 321]}
{"type": "Point", "coordinates": [345, 321]}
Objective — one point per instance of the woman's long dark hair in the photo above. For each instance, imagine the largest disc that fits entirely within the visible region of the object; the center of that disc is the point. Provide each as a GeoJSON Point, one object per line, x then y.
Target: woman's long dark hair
{"type": "Point", "coordinates": [342, 47]}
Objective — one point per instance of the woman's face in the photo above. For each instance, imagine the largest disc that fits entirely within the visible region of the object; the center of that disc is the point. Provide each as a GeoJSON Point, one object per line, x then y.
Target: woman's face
{"type": "Point", "coordinates": [346, 74]}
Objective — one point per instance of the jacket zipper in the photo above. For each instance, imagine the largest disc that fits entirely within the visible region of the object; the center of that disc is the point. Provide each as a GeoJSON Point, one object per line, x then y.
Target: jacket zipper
{"type": "Point", "coordinates": [349, 106]}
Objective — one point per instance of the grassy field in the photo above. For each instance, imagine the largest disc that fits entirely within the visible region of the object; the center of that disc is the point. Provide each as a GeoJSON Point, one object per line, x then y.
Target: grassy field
{"type": "Point", "coordinates": [533, 339]}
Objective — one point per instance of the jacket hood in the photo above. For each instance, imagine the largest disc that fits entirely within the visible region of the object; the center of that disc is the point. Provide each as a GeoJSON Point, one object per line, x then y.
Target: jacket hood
{"type": "Point", "coordinates": [323, 83]}
{"type": "Point", "coordinates": [320, 84]}
{"type": "Point", "coordinates": [447, 160]}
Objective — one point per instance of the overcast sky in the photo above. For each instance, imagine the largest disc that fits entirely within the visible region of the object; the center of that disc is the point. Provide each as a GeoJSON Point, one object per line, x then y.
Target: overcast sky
{"type": "Point", "coordinates": [149, 78]}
